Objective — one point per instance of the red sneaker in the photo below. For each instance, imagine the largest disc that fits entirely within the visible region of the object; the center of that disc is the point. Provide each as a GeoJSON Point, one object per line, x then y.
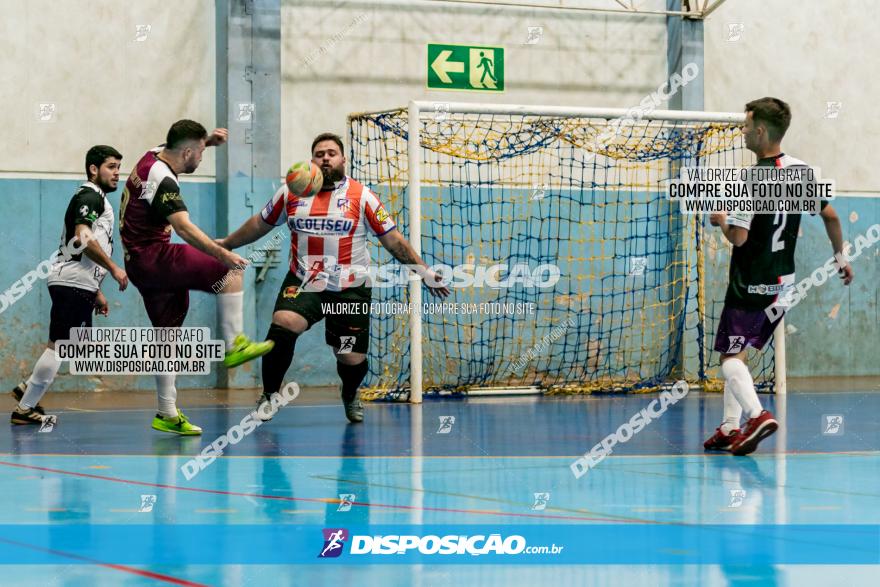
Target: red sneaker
{"type": "Point", "coordinates": [721, 441]}
{"type": "Point", "coordinates": [756, 430]}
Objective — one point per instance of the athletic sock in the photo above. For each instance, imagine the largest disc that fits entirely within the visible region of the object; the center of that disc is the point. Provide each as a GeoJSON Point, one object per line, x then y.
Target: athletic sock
{"type": "Point", "coordinates": [45, 370]}
{"type": "Point", "coordinates": [167, 394]}
{"type": "Point", "coordinates": [732, 411]}
{"type": "Point", "coordinates": [230, 306]}
{"type": "Point", "coordinates": [351, 376]}
{"type": "Point", "coordinates": [277, 361]}
{"type": "Point", "coordinates": [737, 376]}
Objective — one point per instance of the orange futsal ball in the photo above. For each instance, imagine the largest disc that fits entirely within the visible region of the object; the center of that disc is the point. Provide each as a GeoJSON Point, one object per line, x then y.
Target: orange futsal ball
{"type": "Point", "coordinates": [304, 179]}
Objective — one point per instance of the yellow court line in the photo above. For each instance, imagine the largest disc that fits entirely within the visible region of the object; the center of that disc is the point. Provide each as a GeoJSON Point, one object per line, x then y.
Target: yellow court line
{"type": "Point", "coordinates": [215, 511]}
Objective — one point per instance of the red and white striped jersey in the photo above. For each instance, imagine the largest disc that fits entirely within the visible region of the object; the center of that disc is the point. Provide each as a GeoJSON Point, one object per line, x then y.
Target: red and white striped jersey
{"type": "Point", "coordinates": [328, 231]}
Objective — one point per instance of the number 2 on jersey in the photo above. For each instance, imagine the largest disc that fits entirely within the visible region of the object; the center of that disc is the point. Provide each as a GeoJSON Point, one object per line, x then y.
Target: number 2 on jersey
{"type": "Point", "coordinates": [777, 244]}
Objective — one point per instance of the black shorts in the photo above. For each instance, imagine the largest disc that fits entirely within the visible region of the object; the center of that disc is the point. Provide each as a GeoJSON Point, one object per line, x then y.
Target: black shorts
{"type": "Point", "coordinates": [347, 312]}
{"type": "Point", "coordinates": [72, 307]}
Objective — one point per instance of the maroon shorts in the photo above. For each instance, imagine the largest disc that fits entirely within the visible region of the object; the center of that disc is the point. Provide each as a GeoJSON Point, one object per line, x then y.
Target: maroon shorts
{"type": "Point", "coordinates": [164, 274]}
{"type": "Point", "coordinates": [738, 329]}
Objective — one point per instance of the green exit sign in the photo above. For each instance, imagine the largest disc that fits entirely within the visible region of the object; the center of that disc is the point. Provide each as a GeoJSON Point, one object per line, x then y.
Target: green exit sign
{"type": "Point", "coordinates": [466, 67]}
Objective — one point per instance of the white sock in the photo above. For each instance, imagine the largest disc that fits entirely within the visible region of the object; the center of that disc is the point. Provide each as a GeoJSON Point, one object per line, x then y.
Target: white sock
{"type": "Point", "coordinates": [44, 373]}
{"type": "Point", "coordinates": [741, 385]}
{"type": "Point", "coordinates": [231, 309]}
{"type": "Point", "coordinates": [167, 394]}
{"type": "Point", "coordinates": [732, 411]}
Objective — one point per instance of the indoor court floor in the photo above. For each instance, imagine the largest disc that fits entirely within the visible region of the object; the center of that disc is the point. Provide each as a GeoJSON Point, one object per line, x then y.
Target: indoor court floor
{"type": "Point", "coordinates": [658, 511]}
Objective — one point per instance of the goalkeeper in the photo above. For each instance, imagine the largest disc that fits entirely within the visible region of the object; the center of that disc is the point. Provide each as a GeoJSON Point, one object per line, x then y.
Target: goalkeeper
{"type": "Point", "coordinates": [328, 239]}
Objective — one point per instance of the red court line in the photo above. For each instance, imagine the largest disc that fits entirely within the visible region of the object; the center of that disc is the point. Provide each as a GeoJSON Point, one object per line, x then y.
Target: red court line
{"type": "Point", "coordinates": [123, 568]}
{"type": "Point", "coordinates": [324, 501]}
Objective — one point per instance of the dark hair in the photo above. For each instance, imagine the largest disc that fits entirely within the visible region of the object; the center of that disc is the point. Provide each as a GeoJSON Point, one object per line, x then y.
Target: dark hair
{"type": "Point", "coordinates": [328, 136]}
{"type": "Point", "coordinates": [98, 154]}
{"type": "Point", "coordinates": [774, 113]}
{"type": "Point", "coordinates": [182, 131]}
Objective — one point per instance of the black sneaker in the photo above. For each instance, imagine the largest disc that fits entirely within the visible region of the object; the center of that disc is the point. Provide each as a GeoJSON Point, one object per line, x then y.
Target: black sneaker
{"type": "Point", "coordinates": [27, 416]}
{"type": "Point", "coordinates": [265, 410]}
{"type": "Point", "coordinates": [18, 393]}
{"type": "Point", "coordinates": [354, 409]}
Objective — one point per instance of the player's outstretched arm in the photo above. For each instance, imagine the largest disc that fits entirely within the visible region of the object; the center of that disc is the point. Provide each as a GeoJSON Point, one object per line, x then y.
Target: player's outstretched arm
{"type": "Point", "coordinates": [94, 252]}
{"type": "Point", "coordinates": [253, 229]}
{"type": "Point", "coordinates": [835, 235]}
{"type": "Point", "coordinates": [398, 246]}
{"type": "Point", "coordinates": [194, 236]}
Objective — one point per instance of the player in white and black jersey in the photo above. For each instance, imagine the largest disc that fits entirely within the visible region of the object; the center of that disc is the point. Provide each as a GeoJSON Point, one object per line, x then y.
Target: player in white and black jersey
{"type": "Point", "coordinates": [75, 280]}
{"type": "Point", "coordinates": [761, 270]}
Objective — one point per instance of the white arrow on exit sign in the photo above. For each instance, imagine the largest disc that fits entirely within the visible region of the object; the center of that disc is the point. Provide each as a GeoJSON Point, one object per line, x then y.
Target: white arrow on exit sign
{"type": "Point", "coordinates": [442, 66]}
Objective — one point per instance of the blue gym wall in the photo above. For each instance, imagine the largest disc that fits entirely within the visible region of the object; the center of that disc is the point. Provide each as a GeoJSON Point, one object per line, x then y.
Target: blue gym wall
{"type": "Point", "coordinates": [579, 61]}
{"type": "Point", "coordinates": [825, 342]}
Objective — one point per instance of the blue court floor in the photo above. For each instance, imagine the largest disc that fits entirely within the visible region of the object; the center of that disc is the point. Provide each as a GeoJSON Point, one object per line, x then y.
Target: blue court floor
{"type": "Point", "coordinates": [102, 499]}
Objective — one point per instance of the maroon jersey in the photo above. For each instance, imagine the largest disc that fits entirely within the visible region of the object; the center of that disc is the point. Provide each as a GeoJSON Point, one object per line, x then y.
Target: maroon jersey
{"type": "Point", "coordinates": [151, 194]}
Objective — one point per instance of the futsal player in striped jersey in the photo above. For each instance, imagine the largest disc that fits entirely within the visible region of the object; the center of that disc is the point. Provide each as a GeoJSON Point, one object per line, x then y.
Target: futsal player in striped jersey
{"type": "Point", "coordinates": [761, 270]}
{"type": "Point", "coordinates": [328, 235]}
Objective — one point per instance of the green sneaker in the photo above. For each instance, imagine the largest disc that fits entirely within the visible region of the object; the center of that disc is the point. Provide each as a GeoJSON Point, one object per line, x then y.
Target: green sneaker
{"type": "Point", "coordinates": [244, 350]}
{"type": "Point", "coordinates": [179, 425]}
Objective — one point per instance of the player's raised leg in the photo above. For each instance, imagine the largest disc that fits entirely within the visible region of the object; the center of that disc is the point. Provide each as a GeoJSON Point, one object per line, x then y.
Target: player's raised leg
{"type": "Point", "coordinates": [230, 309]}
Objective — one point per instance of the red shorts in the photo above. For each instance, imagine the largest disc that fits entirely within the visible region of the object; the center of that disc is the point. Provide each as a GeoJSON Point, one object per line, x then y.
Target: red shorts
{"type": "Point", "coordinates": [165, 273]}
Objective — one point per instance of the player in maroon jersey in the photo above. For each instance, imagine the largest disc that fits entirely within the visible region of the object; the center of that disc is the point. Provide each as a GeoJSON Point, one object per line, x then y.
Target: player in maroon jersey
{"type": "Point", "coordinates": [164, 273]}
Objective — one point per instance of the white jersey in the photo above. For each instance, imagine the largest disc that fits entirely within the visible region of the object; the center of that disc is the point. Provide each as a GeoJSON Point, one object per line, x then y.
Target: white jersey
{"type": "Point", "coordinates": [91, 207]}
{"type": "Point", "coordinates": [328, 231]}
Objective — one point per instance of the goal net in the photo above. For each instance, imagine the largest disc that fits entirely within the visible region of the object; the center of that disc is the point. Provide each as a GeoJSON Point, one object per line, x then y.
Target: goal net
{"type": "Point", "coordinates": [640, 285]}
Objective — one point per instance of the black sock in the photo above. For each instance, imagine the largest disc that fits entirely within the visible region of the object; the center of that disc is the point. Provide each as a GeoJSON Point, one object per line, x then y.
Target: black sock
{"type": "Point", "coordinates": [351, 376]}
{"type": "Point", "coordinates": [277, 361]}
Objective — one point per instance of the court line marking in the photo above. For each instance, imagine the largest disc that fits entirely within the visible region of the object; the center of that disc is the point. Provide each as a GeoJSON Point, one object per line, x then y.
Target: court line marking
{"type": "Point", "coordinates": [70, 410]}
{"type": "Point", "coordinates": [855, 453]}
{"type": "Point", "coordinates": [114, 566]}
{"type": "Point", "coordinates": [590, 397]}
{"type": "Point", "coordinates": [423, 508]}
{"type": "Point", "coordinates": [483, 498]}
{"type": "Point", "coordinates": [317, 499]}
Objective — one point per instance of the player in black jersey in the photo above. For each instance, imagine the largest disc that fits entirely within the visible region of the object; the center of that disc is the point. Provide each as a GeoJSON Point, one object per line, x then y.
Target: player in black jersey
{"type": "Point", "coordinates": [761, 270]}
{"type": "Point", "coordinates": [74, 281]}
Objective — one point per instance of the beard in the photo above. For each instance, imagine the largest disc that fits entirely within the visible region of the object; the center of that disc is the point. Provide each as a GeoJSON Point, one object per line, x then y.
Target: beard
{"type": "Point", "coordinates": [332, 175]}
{"type": "Point", "coordinates": [106, 187]}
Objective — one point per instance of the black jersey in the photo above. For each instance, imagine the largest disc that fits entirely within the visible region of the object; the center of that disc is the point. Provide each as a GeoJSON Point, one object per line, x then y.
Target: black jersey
{"type": "Point", "coordinates": [88, 206]}
{"type": "Point", "coordinates": [763, 267]}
